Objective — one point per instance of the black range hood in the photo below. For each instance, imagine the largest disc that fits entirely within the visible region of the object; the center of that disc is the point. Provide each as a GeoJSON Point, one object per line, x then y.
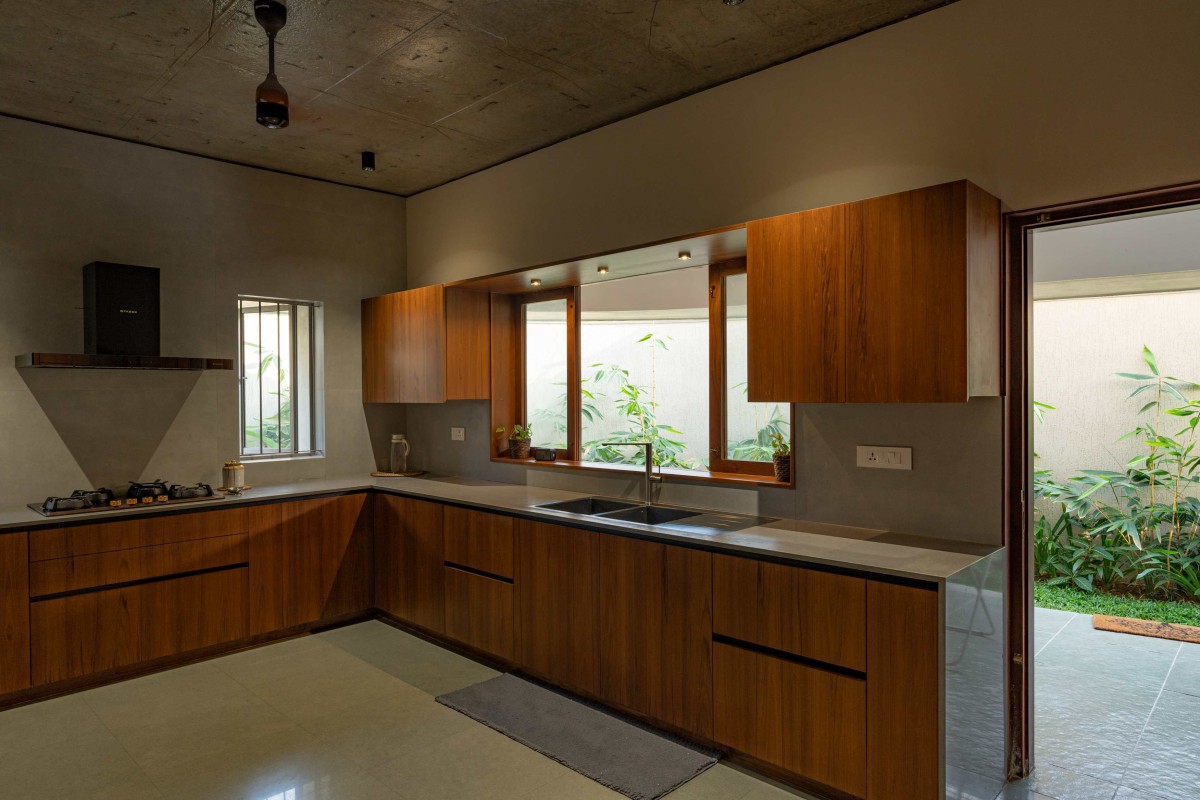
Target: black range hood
{"type": "Point", "coordinates": [120, 325]}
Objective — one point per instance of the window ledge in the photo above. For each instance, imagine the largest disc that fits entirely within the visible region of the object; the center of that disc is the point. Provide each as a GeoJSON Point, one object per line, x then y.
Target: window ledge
{"type": "Point", "coordinates": [668, 473]}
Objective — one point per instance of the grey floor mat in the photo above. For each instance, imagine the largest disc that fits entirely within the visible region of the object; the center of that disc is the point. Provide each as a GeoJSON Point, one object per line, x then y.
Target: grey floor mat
{"type": "Point", "coordinates": [623, 755]}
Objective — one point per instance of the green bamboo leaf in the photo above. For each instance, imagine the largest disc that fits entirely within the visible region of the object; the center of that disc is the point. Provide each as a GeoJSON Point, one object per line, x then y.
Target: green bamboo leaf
{"type": "Point", "coordinates": [1150, 360]}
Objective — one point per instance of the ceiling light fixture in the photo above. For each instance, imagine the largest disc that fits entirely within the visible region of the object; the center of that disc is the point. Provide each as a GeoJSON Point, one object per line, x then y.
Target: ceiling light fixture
{"type": "Point", "coordinates": [535, 281]}
{"type": "Point", "coordinates": [603, 270]}
{"type": "Point", "coordinates": [270, 98]}
{"type": "Point", "coordinates": [733, 2]}
{"type": "Point", "coordinates": [368, 161]}
{"type": "Point", "coordinates": [684, 255]}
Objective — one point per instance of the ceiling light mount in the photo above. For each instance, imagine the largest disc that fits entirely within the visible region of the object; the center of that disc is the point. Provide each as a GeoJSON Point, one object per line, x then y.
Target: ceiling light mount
{"type": "Point", "coordinates": [684, 255]}
{"type": "Point", "coordinates": [368, 161]}
{"type": "Point", "coordinates": [535, 281]}
{"type": "Point", "coordinates": [270, 98]}
{"type": "Point", "coordinates": [602, 269]}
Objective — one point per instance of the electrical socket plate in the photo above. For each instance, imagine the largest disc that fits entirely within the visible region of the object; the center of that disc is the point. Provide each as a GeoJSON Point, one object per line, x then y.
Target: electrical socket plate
{"type": "Point", "coordinates": [458, 434]}
{"type": "Point", "coordinates": [879, 457]}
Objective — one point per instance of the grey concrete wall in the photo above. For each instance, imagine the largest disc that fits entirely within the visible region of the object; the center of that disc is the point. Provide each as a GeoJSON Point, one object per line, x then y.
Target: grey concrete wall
{"type": "Point", "coordinates": [1037, 102]}
{"type": "Point", "coordinates": [216, 231]}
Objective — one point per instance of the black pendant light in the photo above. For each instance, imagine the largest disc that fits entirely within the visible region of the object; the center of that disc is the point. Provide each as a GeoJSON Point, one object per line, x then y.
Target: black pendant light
{"type": "Point", "coordinates": [271, 99]}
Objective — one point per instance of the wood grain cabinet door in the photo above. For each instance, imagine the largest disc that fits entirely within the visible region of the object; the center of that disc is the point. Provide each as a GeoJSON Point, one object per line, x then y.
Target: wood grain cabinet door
{"type": "Point", "coordinates": [426, 345]}
{"type": "Point", "coordinates": [814, 614]}
{"type": "Point", "coordinates": [557, 620]}
{"type": "Point", "coordinates": [14, 611]}
{"type": "Point", "coordinates": [923, 296]}
{"type": "Point", "coordinates": [903, 693]}
{"type": "Point", "coordinates": [656, 631]}
{"type": "Point", "coordinates": [409, 562]}
{"type": "Point", "coordinates": [81, 634]}
{"type": "Point", "coordinates": [309, 560]}
{"type": "Point", "coordinates": [795, 284]}
{"type": "Point", "coordinates": [808, 721]}
{"type": "Point", "coordinates": [479, 612]}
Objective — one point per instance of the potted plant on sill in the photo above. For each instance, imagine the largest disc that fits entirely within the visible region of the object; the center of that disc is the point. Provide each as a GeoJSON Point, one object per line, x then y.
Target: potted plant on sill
{"type": "Point", "coordinates": [781, 457]}
{"type": "Point", "coordinates": [518, 440]}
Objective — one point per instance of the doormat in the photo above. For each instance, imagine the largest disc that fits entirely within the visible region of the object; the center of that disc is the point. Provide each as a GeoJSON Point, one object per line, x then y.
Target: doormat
{"type": "Point", "coordinates": [627, 757]}
{"type": "Point", "coordinates": [1146, 627]}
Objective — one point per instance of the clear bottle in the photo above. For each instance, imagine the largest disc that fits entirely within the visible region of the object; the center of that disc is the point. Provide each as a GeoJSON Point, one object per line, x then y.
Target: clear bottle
{"type": "Point", "coordinates": [399, 455]}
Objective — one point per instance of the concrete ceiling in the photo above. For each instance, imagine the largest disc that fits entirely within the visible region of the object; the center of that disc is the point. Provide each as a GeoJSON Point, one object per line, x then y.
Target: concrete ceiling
{"type": "Point", "coordinates": [437, 88]}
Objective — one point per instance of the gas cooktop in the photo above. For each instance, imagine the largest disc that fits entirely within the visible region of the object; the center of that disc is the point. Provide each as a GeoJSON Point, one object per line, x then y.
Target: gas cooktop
{"type": "Point", "coordinates": [138, 495]}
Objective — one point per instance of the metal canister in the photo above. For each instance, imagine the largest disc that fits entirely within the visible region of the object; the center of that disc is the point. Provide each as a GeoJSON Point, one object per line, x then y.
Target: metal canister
{"type": "Point", "coordinates": [233, 476]}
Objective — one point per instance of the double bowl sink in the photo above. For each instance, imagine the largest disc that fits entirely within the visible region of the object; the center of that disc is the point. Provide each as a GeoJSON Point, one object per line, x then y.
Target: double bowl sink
{"type": "Point", "coordinates": [605, 509]}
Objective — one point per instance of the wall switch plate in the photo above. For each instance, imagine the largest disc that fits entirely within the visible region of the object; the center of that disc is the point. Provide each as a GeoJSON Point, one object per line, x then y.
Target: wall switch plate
{"type": "Point", "coordinates": [879, 457]}
{"type": "Point", "coordinates": [458, 434]}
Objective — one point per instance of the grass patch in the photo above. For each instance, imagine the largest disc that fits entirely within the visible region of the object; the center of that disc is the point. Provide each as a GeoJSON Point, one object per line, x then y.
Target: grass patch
{"type": "Point", "coordinates": [1068, 598]}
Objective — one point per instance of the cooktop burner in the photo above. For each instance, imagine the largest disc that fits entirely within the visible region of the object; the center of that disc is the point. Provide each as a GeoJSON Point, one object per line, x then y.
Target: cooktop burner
{"type": "Point", "coordinates": [139, 494]}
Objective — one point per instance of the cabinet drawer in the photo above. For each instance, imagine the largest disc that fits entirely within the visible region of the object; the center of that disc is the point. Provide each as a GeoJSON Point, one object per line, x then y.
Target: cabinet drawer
{"type": "Point", "coordinates": [137, 563]}
{"type": "Point", "coordinates": [95, 631]}
{"type": "Point", "coordinates": [105, 536]}
{"type": "Point", "coordinates": [805, 720]}
{"type": "Point", "coordinates": [479, 612]}
{"type": "Point", "coordinates": [818, 615]}
{"type": "Point", "coordinates": [479, 541]}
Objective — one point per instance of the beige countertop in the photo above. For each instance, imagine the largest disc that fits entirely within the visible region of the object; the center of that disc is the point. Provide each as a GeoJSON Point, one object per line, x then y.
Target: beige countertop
{"type": "Point", "coordinates": [859, 549]}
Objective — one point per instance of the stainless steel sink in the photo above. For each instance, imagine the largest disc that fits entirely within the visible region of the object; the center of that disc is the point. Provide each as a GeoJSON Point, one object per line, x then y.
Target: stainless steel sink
{"type": "Point", "coordinates": [652, 515]}
{"type": "Point", "coordinates": [589, 506]}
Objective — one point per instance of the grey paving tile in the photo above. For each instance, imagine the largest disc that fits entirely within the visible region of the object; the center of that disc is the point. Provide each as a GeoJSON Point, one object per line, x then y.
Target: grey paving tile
{"type": "Point", "coordinates": [1057, 783]}
{"type": "Point", "coordinates": [1126, 793]}
{"type": "Point", "coordinates": [1047, 622]}
{"type": "Point", "coordinates": [1165, 762]}
{"type": "Point", "coordinates": [1185, 675]}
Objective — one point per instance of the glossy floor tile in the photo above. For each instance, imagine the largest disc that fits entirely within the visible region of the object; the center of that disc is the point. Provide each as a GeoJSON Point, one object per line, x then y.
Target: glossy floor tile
{"type": "Point", "coordinates": [347, 714]}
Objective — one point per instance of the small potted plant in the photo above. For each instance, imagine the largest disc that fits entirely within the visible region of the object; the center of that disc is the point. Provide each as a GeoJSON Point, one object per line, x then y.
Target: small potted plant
{"type": "Point", "coordinates": [518, 440]}
{"type": "Point", "coordinates": [781, 457]}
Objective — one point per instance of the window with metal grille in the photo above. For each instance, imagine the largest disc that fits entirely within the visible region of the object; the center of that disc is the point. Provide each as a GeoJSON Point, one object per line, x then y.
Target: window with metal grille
{"type": "Point", "coordinates": [281, 378]}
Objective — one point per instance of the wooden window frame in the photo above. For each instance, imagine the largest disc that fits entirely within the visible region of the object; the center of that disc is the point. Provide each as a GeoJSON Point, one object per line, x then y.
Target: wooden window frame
{"type": "Point", "coordinates": [718, 411]}
{"type": "Point", "coordinates": [574, 401]}
{"type": "Point", "coordinates": [720, 467]}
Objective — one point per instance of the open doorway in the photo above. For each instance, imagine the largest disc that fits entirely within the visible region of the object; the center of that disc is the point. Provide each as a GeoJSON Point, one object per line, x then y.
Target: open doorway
{"type": "Point", "coordinates": [1105, 496]}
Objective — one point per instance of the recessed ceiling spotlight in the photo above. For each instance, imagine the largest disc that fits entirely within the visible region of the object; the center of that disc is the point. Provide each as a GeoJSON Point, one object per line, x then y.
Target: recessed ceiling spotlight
{"type": "Point", "coordinates": [368, 161]}
{"type": "Point", "coordinates": [684, 255]}
{"type": "Point", "coordinates": [535, 281]}
{"type": "Point", "coordinates": [733, 2]}
{"type": "Point", "coordinates": [603, 270]}
{"type": "Point", "coordinates": [270, 98]}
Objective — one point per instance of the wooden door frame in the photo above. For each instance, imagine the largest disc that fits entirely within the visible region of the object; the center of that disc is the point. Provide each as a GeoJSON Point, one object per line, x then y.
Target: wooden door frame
{"type": "Point", "coordinates": [1018, 434]}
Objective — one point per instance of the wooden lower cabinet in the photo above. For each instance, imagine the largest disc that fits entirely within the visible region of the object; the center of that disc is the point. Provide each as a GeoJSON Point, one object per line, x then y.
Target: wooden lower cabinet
{"type": "Point", "coordinates": [479, 612]}
{"type": "Point", "coordinates": [81, 634]}
{"type": "Point", "coordinates": [409, 560]}
{"type": "Point", "coordinates": [806, 720]}
{"type": "Point", "coordinates": [818, 615]}
{"type": "Point", "coordinates": [904, 706]}
{"type": "Point", "coordinates": [556, 608]}
{"type": "Point", "coordinates": [479, 541]}
{"type": "Point", "coordinates": [309, 560]}
{"type": "Point", "coordinates": [656, 631]}
{"type": "Point", "coordinates": [14, 611]}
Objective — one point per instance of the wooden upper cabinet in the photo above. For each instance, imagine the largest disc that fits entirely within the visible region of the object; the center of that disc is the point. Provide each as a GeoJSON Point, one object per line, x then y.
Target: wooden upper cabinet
{"type": "Point", "coordinates": [426, 345]}
{"type": "Point", "coordinates": [895, 299]}
{"type": "Point", "coordinates": [923, 297]}
{"type": "Point", "coordinates": [796, 287]}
